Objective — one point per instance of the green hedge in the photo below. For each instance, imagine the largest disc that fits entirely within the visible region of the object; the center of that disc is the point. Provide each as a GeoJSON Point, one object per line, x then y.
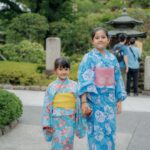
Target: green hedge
{"type": "Point", "coordinates": [24, 51]}
{"type": "Point", "coordinates": [10, 107]}
{"type": "Point", "coordinates": [19, 73]}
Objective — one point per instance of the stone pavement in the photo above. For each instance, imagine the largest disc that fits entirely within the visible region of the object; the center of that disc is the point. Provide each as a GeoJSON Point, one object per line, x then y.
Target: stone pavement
{"type": "Point", "coordinates": [133, 125]}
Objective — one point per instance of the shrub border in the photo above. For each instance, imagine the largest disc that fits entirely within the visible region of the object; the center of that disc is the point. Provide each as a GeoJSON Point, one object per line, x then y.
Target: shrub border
{"type": "Point", "coordinates": [41, 88]}
{"type": "Point", "coordinates": [17, 87]}
{"type": "Point", "coordinates": [9, 127]}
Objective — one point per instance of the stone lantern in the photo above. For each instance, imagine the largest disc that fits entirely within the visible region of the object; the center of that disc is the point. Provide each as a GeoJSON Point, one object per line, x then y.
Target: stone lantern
{"type": "Point", "coordinates": [125, 24]}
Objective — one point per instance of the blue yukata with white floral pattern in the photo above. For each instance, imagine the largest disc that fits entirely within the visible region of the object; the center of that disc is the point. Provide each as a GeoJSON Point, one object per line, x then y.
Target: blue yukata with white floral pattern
{"type": "Point", "coordinates": [66, 122]}
{"type": "Point", "coordinates": [99, 76]}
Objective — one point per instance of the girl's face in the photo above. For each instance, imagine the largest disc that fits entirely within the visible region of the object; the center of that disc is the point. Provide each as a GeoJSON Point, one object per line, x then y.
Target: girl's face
{"type": "Point", "coordinates": [62, 73]}
{"type": "Point", "coordinates": [100, 40]}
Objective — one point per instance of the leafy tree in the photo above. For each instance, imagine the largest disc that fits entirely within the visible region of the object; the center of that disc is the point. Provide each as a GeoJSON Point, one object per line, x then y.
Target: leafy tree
{"type": "Point", "coordinates": [25, 51]}
{"type": "Point", "coordinates": [76, 36]}
{"type": "Point", "coordinates": [142, 3]}
{"type": "Point", "coordinates": [53, 10]}
{"type": "Point", "coordinates": [11, 5]}
{"type": "Point", "coordinates": [30, 26]}
{"type": "Point", "coordinates": [8, 10]}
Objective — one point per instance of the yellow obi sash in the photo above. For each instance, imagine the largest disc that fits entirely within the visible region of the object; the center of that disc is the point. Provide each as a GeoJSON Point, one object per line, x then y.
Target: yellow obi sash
{"type": "Point", "coordinates": [64, 100]}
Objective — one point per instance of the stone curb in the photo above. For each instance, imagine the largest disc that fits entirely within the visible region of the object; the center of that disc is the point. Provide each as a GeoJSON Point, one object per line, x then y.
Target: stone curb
{"type": "Point", "coordinates": [32, 88]}
{"type": "Point", "coordinates": [9, 127]}
{"type": "Point", "coordinates": [146, 93]}
{"type": "Point", "coordinates": [42, 88]}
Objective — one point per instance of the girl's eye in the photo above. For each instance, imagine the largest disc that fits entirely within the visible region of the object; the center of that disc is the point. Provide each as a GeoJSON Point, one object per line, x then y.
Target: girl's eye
{"type": "Point", "coordinates": [103, 37]}
{"type": "Point", "coordinates": [97, 38]}
{"type": "Point", "coordinates": [60, 69]}
{"type": "Point", "coordinates": [100, 37]}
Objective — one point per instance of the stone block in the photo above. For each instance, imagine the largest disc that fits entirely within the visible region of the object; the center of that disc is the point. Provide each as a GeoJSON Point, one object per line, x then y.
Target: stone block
{"type": "Point", "coordinates": [147, 74]}
{"type": "Point", "coordinates": [43, 88]}
{"type": "Point", "coordinates": [53, 48]}
{"type": "Point", "coordinates": [34, 88]}
{"type": "Point", "coordinates": [6, 129]}
{"type": "Point", "coordinates": [1, 133]}
{"type": "Point", "coordinates": [19, 87]}
{"type": "Point", "coordinates": [13, 124]}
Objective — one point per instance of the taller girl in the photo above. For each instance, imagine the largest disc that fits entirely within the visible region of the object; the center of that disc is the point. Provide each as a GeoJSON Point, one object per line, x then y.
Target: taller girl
{"type": "Point", "coordinates": [102, 90]}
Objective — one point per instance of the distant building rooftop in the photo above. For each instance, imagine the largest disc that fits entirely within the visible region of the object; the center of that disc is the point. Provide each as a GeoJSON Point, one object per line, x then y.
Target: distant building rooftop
{"type": "Point", "coordinates": [125, 24]}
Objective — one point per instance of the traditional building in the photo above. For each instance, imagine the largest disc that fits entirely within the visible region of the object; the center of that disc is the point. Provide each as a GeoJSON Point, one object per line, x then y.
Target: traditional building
{"type": "Point", "coordinates": [125, 24]}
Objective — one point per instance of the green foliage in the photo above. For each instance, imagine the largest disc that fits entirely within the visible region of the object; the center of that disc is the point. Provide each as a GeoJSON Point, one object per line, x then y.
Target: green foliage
{"type": "Point", "coordinates": [74, 70]}
{"type": "Point", "coordinates": [10, 107]}
{"type": "Point", "coordinates": [76, 36]}
{"type": "Point", "coordinates": [115, 4]}
{"type": "Point", "coordinates": [143, 3]}
{"type": "Point", "coordinates": [144, 16]}
{"type": "Point", "coordinates": [29, 74]}
{"type": "Point", "coordinates": [53, 10]}
{"type": "Point", "coordinates": [8, 10]}
{"type": "Point", "coordinates": [87, 6]}
{"type": "Point", "coordinates": [25, 51]}
{"type": "Point", "coordinates": [21, 74]}
{"type": "Point", "coordinates": [30, 26]}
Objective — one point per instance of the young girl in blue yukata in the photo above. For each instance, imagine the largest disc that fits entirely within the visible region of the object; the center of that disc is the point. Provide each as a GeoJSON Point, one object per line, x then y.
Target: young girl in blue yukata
{"type": "Point", "coordinates": [102, 91]}
{"type": "Point", "coordinates": [61, 115]}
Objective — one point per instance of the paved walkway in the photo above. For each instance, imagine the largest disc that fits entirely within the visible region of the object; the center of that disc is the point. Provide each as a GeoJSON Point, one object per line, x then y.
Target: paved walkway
{"type": "Point", "coordinates": [133, 132]}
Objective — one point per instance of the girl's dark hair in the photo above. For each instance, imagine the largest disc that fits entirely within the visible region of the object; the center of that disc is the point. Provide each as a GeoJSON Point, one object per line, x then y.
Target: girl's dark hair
{"type": "Point", "coordinates": [62, 63]}
{"type": "Point", "coordinates": [98, 29]}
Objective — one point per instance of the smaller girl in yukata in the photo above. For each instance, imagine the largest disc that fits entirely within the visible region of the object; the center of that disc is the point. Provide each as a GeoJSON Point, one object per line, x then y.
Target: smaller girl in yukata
{"type": "Point", "coordinates": [61, 115]}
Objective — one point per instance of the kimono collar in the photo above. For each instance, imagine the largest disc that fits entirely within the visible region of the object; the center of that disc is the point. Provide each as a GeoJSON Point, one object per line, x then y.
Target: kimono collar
{"type": "Point", "coordinates": [98, 52]}
{"type": "Point", "coordinates": [62, 81]}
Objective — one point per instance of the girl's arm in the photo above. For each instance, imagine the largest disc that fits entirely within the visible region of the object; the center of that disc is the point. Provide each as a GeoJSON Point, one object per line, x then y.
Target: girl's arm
{"type": "Point", "coordinates": [46, 116]}
{"type": "Point", "coordinates": [120, 93]}
{"type": "Point", "coordinates": [119, 107]}
{"type": "Point", "coordinates": [86, 110]}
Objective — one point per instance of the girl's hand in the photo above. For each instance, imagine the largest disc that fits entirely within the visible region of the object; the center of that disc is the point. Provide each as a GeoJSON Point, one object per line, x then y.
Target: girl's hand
{"type": "Point", "coordinates": [49, 129]}
{"type": "Point", "coordinates": [86, 110]}
{"type": "Point", "coordinates": [127, 69]}
{"type": "Point", "coordinates": [119, 107]}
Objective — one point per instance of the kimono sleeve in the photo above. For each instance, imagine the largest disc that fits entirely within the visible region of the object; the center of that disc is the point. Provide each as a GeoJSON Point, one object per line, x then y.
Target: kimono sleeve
{"type": "Point", "coordinates": [120, 92]}
{"type": "Point", "coordinates": [46, 114]}
{"type": "Point", "coordinates": [80, 127]}
{"type": "Point", "coordinates": [86, 76]}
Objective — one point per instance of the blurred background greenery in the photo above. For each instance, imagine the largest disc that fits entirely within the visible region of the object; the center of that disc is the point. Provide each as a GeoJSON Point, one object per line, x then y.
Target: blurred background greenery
{"type": "Point", "coordinates": [26, 24]}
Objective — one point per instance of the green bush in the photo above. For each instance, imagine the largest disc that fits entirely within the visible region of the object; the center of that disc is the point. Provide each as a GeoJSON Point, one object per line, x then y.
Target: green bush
{"type": "Point", "coordinates": [19, 73]}
{"type": "Point", "coordinates": [10, 107]}
{"type": "Point", "coordinates": [25, 51]}
{"type": "Point", "coordinates": [75, 36]}
{"type": "Point", "coordinates": [27, 26]}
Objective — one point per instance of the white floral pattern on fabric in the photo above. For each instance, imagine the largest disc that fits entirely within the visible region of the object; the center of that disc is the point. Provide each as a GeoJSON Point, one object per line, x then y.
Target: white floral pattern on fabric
{"type": "Point", "coordinates": [108, 129]}
{"type": "Point", "coordinates": [88, 75]}
{"type": "Point", "coordinates": [91, 88]}
{"type": "Point", "coordinates": [102, 99]}
{"type": "Point", "coordinates": [109, 112]}
{"type": "Point", "coordinates": [100, 116]}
